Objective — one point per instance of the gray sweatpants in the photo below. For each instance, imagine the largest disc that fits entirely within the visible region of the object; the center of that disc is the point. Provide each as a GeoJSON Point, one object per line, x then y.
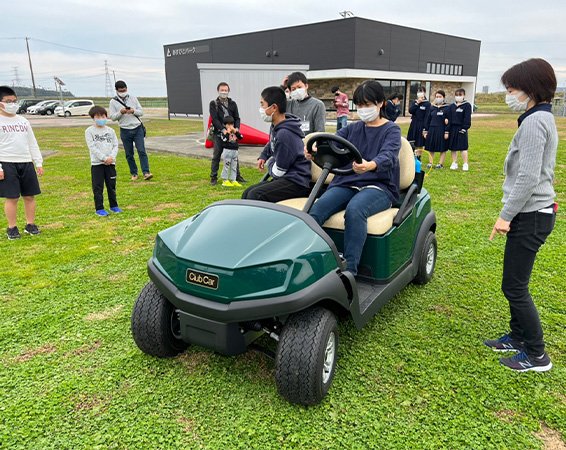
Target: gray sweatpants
{"type": "Point", "coordinates": [230, 169]}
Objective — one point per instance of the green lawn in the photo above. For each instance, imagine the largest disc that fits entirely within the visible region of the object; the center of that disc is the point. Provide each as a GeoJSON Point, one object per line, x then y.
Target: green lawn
{"type": "Point", "coordinates": [416, 377]}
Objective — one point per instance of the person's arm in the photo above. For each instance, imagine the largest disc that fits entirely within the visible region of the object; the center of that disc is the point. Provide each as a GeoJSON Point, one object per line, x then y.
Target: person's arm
{"type": "Point", "coordinates": [319, 118]}
{"type": "Point", "coordinates": [266, 153]}
{"type": "Point", "coordinates": [114, 151]}
{"type": "Point", "coordinates": [34, 148]}
{"type": "Point", "coordinates": [285, 155]}
{"type": "Point", "coordinates": [428, 118]}
{"type": "Point", "coordinates": [236, 115]}
{"type": "Point", "coordinates": [531, 142]}
{"type": "Point", "coordinates": [94, 147]}
{"type": "Point", "coordinates": [467, 122]}
{"type": "Point", "coordinates": [115, 108]}
{"type": "Point", "coordinates": [388, 155]}
{"type": "Point", "coordinates": [213, 110]}
{"type": "Point", "coordinates": [447, 118]}
{"type": "Point", "coordinates": [138, 110]}
{"type": "Point", "coordinates": [413, 108]}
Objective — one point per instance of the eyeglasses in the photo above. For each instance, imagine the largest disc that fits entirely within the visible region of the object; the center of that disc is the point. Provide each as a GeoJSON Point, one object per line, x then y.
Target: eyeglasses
{"type": "Point", "coordinates": [10, 101]}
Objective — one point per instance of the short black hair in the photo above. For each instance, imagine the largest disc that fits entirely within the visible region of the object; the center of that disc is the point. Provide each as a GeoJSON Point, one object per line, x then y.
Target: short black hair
{"type": "Point", "coordinates": [294, 77]}
{"type": "Point", "coordinates": [274, 95]}
{"type": "Point", "coordinates": [369, 91]}
{"type": "Point", "coordinates": [460, 91]}
{"type": "Point", "coordinates": [441, 92]}
{"type": "Point", "coordinates": [222, 83]}
{"type": "Point", "coordinates": [6, 91]}
{"type": "Point", "coordinates": [396, 95]}
{"type": "Point", "coordinates": [120, 85]}
{"type": "Point", "coordinates": [228, 119]}
{"type": "Point", "coordinates": [97, 111]}
{"type": "Point", "coordinates": [535, 77]}
{"type": "Point", "coordinates": [335, 89]}
{"type": "Point", "coordinates": [421, 89]}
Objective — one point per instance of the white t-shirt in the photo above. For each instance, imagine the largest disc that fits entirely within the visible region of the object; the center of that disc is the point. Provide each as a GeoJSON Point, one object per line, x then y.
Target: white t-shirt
{"type": "Point", "coordinates": [17, 141]}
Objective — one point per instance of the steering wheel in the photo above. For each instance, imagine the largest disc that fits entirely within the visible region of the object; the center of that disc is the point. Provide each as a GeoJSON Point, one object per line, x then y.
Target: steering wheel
{"type": "Point", "coordinates": [333, 152]}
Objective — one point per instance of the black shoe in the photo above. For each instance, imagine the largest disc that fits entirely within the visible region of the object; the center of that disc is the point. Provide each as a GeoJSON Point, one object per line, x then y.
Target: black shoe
{"type": "Point", "coordinates": [241, 179]}
{"type": "Point", "coordinates": [31, 228]}
{"type": "Point", "coordinates": [504, 344]}
{"type": "Point", "coordinates": [213, 181]}
{"type": "Point", "coordinates": [521, 362]}
{"type": "Point", "coordinates": [13, 233]}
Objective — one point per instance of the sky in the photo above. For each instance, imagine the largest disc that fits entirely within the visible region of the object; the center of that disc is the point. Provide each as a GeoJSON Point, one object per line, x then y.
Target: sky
{"type": "Point", "coordinates": [130, 35]}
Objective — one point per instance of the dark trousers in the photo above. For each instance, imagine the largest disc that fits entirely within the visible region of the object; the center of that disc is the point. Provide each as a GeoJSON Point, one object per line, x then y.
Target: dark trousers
{"type": "Point", "coordinates": [129, 138]}
{"type": "Point", "coordinates": [102, 174]}
{"type": "Point", "coordinates": [275, 191]}
{"type": "Point", "coordinates": [216, 155]}
{"type": "Point", "coordinates": [528, 232]}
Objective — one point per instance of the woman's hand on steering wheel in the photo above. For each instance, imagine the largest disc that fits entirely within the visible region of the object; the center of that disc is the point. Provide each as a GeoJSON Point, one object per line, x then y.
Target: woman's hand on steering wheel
{"type": "Point", "coordinates": [310, 156]}
{"type": "Point", "coordinates": [364, 166]}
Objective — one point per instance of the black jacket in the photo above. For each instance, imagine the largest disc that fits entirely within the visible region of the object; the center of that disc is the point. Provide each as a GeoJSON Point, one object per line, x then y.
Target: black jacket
{"type": "Point", "coordinates": [217, 112]}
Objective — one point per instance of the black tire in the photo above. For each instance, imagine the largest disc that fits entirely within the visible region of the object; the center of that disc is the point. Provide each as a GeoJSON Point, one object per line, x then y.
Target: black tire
{"type": "Point", "coordinates": [300, 371]}
{"type": "Point", "coordinates": [48, 112]}
{"type": "Point", "coordinates": [427, 259]}
{"type": "Point", "coordinates": [155, 325]}
{"type": "Point", "coordinates": [67, 113]}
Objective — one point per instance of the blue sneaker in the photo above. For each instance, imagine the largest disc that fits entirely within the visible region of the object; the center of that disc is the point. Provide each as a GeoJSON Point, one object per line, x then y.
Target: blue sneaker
{"type": "Point", "coordinates": [521, 362]}
{"type": "Point", "coordinates": [116, 210]}
{"type": "Point", "coordinates": [102, 213]}
{"type": "Point", "coordinates": [504, 344]}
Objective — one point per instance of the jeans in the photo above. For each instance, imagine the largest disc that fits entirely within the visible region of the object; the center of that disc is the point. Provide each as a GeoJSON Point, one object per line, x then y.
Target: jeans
{"type": "Point", "coordinates": [527, 233]}
{"type": "Point", "coordinates": [129, 138]}
{"type": "Point", "coordinates": [341, 122]}
{"type": "Point", "coordinates": [216, 155]}
{"type": "Point", "coordinates": [275, 191]}
{"type": "Point", "coordinates": [230, 158]}
{"type": "Point", "coordinates": [359, 206]}
{"type": "Point", "coordinates": [102, 174]}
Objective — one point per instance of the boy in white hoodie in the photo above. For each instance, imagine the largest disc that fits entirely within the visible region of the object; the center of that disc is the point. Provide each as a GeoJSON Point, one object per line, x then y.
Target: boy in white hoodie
{"type": "Point", "coordinates": [18, 154]}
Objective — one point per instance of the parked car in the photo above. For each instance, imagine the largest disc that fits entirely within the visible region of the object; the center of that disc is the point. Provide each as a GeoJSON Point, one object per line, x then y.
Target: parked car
{"type": "Point", "coordinates": [78, 107]}
{"type": "Point", "coordinates": [48, 109]}
{"type": "Point", "coordinates": [25, 103]}
{"type": "Point", "coordinates": [34, 108]}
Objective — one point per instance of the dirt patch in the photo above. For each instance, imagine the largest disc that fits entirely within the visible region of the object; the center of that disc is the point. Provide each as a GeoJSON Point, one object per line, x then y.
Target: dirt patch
{"type": "Point", "coordinates": [164, 206]}
{"type": "Point", "coordinates": [255, 365]}
{"type": "Point", "coordinates": [176, 216]}
{"type": "Point", "coordinates": [441, 309]}
{"type": "Point", "coordinates": [195, 361]}
{"type": "Point", "coordinates": [53, 226]}
{"type": "Point", "coordinates": [87, 348]}
{"type": "Point", "coordinates": [94, 403]}
{"type": "Point", "coordinates": [151, 220]}
{"type": "Point", "coordinates": [551, 439]}
{"type": "Point", "coordinates": [104, 315]}
{"type": "Point", "coordinates": [29, 354]}
{"type": "Point", "coordinates": [190, 428]}
{"type": "Point", "coordinates": [506, 415]}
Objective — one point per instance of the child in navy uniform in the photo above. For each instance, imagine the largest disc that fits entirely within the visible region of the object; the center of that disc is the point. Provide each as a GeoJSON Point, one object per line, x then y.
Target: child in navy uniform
{"type": "Point", "coordinates": [392, 109]}
{"type": "Point", "coordinates": [103, 146]}
{"type": "Point", "coordinates": [436, 128]}
{"type": "Point", "coordinates": [418, 109]}
{"type": "Point", "coordinates": [229, 137]}
{"type": "Point", "coordinates": [460, 123]}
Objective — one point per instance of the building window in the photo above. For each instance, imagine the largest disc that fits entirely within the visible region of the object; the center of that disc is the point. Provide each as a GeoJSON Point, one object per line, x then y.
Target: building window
{"type": "Point", "coordinates": [428, 67]}
{"type": "Point", "coordinates": [444, 69]}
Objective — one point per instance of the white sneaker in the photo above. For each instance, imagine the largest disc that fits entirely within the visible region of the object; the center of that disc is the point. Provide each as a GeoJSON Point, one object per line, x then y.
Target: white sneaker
{"type": "Point", "coordinates": [454, 166]}
{"type": "Point", "coordinates": [465, 167]}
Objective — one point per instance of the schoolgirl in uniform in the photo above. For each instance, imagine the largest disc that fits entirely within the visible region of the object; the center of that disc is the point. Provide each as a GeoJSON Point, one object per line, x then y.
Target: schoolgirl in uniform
{"type": "Point", "coordinates": [436, 128]}
{"type": "Point", "coordinates": [418, 111]}
{"type": "Point", "coordinates": [460, 122]}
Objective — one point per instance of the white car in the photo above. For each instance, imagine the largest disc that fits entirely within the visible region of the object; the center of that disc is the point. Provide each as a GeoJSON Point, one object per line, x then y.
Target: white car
{"type": "Point", "coordinates": [33, 109]}
{"type": "Point", "coordinates": [78, 107]}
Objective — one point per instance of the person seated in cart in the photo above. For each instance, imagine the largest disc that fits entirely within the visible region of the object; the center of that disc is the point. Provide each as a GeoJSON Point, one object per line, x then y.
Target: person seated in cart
{"type": "Point", "coordinates": [375, 184]}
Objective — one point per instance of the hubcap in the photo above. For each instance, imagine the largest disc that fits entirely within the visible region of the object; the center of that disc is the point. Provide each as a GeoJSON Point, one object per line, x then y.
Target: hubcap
{"type": "Point", "coordinates": [175, 325]}
{"type": "Point", "coordinates": [430, 259]}
{"type": "Point", "coordinates": [329, 355]}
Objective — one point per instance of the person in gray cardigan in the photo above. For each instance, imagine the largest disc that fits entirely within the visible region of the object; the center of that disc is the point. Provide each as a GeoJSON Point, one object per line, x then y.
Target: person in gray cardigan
{"type": "Point", "coordinates": [529, 211]}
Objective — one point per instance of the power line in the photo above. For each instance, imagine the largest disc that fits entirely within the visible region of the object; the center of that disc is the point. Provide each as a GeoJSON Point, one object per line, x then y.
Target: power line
{"type": "Point", "coordinates": [96, 51]}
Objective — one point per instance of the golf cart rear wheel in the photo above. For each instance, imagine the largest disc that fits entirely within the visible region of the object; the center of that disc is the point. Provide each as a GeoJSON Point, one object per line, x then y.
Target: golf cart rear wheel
{"type": "Point", "coordinates": [427, 259]}
{"type": "Point", "coordinates": [306, 356]}
{"type": "Point", "coordinates": [155, 325]}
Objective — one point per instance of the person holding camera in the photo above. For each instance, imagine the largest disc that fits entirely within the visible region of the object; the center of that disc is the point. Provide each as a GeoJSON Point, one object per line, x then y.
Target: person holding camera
{"type": "Point", "coordinates": [126, 110]}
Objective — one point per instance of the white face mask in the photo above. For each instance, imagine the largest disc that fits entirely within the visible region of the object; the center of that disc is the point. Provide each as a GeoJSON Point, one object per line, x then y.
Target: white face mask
{"type": "Point", "coordinates": [122, 94]}
{"type": "Point", "coordinates": [264, 116]}
{"type": "Point", "coordinates": [368, 114]}
{"type": "Point", "coordinates": [223, 94]}
{"type": "Point", "coordinates": [439, 101]}
{"type": "Point", "coordinates": [11, 108]}
{"type": "Point", "coordinates": [420, 95]}
{"type": "Point", "coordinates": [515, 104]}
{"type": "Point", "coordinates": [299, 94]}
{"type": "Point", "coordinates": [459, 98]}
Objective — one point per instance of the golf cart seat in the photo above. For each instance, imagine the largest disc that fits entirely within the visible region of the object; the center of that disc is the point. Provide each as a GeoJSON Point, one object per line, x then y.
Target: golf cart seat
{"type": "Point", "coordinates": [379, 223]}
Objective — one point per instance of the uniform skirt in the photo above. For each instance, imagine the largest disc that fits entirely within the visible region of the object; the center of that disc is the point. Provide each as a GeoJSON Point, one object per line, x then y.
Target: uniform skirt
{"type": "Point", "coordinates": [457, 141]}
{"type": "Point", "coordinates": [415, 133]}
{"type": "Point", "coordinates": [435, 141]}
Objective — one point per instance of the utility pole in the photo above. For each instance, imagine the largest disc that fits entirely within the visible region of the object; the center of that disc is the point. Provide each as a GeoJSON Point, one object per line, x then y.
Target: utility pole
{"type": "Point", "coordinates": [30, 67]}
{"type": "Point", "coordinates": [16, 80]}
{"type": "Point", "coordinates": [114, 73]}
{"type": "Point", "coordinates": [108, 87]}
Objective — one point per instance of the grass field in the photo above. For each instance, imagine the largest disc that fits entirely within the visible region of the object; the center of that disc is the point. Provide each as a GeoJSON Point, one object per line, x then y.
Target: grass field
{"type": "Point", "coordinates": [416, 377]}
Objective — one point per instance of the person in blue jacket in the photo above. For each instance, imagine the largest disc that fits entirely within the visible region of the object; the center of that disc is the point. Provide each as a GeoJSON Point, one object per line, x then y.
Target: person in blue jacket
{"type": "Point", "coordinates": [436, 128]}
{"type": "Point", "coordinates": [418, 111]}
{"type": "Point", "coordinates": [290, 171]}
{"type": "Point", "coordinates": [375, 184]}
{"type": "Point", "coordinates": [460, 122]}
{"type": "Point", "coordinates": [393, 107]}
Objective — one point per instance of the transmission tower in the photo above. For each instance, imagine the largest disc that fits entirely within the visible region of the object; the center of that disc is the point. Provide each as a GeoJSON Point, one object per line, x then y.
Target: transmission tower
{"type": "Point", "coordinates": [16, 81]}
{"type": "Point", "coordinates": [108, 85]}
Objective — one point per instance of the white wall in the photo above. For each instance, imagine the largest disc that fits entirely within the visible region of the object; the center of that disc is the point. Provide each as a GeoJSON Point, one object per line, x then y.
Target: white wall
{"type": "Point", "coordinates": [246, 82]}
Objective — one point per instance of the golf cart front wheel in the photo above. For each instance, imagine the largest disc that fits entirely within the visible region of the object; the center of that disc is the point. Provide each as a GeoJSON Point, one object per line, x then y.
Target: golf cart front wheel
{"type": "Point", "coordinates": [306, 356]}
{"type": "Point", "coordinates": [155, 326]}
{"type": "Point", "coordinates": [427, 259]}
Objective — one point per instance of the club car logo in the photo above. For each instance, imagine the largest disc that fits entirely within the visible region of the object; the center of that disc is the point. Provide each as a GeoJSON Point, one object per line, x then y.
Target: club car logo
{"type": "Point", "coordinates": [202, 279]}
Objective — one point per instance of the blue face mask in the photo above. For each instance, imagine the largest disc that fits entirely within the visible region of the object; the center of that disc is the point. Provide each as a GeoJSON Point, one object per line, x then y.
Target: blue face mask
{"type": "Point", "coordinates": [101, 122]}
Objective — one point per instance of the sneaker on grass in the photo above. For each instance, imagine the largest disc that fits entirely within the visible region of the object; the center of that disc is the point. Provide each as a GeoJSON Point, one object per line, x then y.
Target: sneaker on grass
{"type": "Point", "coordinates": [504, 344]}
{"type": "Point", "coordinates": [521, 362]}
{"type": "Point", "coordinates": [454, 166]}
{"type": "Point", "coordinates": [13, 233]}
{"type": "Point", "coordinates": [31, 228]}
{"type": "Point", "coordinates": [101, 213]}
{"type": "Point", "coordinates": [465, 167]}
{"type": "Point", "coordinates": [116, 210]}
{"type": "Point", "coordinates": [227, 183]}
{"type": "Point", "coordinates": [439, 166]}
{"type": "Point", "coordinates": [236, 184]}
